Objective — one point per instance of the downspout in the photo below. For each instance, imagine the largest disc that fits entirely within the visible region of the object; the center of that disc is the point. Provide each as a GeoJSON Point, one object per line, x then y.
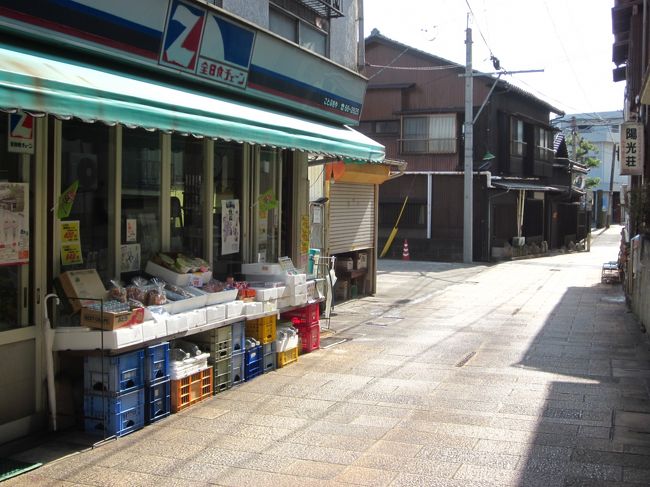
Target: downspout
{"type": "Point", "coordinates": [361, 44]}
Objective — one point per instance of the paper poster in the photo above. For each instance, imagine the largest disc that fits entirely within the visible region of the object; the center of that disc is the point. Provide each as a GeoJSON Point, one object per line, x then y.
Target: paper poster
{"type": "Point", "coordinates": [130, 257]}
{"type": "Point", "coordinates": [70, 243]}
{"type": "Point", "coordinates": [131, 230]}
{"type": "Point", "coordinates": [230, 234]}
{"type": "Point", "coordinates": [14, 223]}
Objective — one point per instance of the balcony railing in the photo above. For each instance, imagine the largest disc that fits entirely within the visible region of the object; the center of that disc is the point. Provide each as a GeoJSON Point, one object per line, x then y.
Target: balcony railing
{"type": "Point", "coordinates": [325, 8]}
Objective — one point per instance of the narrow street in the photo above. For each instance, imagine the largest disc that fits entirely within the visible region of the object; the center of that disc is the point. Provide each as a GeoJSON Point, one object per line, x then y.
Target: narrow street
{"type": "Point", "coordinates": [526, 373]}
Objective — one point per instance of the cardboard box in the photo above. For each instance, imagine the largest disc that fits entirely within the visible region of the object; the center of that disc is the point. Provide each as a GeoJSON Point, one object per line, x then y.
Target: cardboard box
{"type": "Point", "coordinates": [83, 287]}
{"type": "Point", "coordinates": [109, 320]}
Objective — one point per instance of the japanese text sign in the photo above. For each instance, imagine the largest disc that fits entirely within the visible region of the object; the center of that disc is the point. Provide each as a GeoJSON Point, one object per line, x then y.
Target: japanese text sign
{"type": "Point", "coordinates": [632, 145]}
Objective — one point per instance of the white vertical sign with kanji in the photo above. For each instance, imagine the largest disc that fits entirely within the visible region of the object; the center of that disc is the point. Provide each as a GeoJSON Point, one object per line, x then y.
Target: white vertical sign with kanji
{"type": "Point", "coordinates": [632, 149]}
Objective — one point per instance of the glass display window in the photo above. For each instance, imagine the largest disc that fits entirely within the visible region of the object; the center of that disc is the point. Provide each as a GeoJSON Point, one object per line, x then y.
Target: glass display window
{"type": "Point", "coordinates": [141, 198]}
{"type": "Point", "coordinates": [186, 196]}
{"type": "Point", "coordinates": [267, 198]}
{"type": "Point", "coordinates": [85, 160]}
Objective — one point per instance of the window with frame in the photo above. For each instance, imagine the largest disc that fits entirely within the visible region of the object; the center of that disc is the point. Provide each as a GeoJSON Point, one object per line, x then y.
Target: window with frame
{"type": "Point", "coordinates": [429, 134]}
{"type": "Point", "coordinates": [517, 143]}
{"type": "Point", "coordinates": [309, 31]}
{"type": "Point", "coordinates": [543, 144]}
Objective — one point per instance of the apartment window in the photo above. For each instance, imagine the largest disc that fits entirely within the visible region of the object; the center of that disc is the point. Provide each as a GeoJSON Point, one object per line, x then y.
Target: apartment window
{"type": "Point", "coordinates": [309, 33]}
{"type": "Point", "coordinates": [543, 144]}
{"type": "Point", "coordinates": [517, 144]}
{"type": "Point", "coordinates": [387, 127]}
{"type": "Point", "coordinates": [431, 134]}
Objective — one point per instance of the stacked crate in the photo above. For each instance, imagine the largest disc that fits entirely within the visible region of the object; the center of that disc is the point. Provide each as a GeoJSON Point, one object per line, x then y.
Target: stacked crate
{"type": "Point", "coordinates": [219, 343]}
{"type": "Point", "coordinates": [157, 388]}
{"type": "Point", "coordinates": [262, 331]}
{"type": "Point", "coordinates": [253, 359]}
{"type": "Point", "coordinates": [238, 352]}
{"type": "Point", "coordinates": [114, 398]}
{"type": "Point", "coordinates": [307, 322]}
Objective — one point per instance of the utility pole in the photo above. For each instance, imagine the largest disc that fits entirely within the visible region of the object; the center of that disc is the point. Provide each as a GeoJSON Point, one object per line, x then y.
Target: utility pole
{"type": "Point", "coordinates": [611, 187]}
{"type": "Point", "coordinates": [469, 152]}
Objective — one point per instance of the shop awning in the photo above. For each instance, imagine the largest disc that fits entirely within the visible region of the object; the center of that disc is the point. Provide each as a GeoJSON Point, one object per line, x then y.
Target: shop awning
{"type": "Point", "coordinates": [520, 185]}
{"type": "Point", "coordinates": [38, 83]}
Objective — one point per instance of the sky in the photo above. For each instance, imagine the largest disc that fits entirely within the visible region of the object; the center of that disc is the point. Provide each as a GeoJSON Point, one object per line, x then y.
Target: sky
{"type": "Point", "coordinates": [571, 40]}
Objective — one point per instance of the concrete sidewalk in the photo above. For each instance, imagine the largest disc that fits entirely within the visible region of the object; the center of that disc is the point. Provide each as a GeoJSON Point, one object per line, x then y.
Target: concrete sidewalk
{"type": "Point", "coordinates": [525, 373]}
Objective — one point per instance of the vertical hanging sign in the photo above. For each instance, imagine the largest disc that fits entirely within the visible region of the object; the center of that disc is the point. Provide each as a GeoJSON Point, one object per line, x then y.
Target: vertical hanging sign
{"type": "Point", "coordinates": [632, 148]}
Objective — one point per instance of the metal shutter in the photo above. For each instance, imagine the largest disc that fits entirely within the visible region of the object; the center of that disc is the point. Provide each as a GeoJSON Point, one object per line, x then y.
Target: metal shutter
{"type": "Point", "coordinates": [351, 217]}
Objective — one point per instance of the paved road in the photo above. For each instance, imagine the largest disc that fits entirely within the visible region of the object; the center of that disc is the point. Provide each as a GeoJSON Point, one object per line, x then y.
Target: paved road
{"type": "Point", "coordinates": [520, 374]}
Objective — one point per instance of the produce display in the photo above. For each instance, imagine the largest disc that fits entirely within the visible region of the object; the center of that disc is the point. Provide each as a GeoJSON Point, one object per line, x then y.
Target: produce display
{"type": "Point", "coordinates": [181, 263]}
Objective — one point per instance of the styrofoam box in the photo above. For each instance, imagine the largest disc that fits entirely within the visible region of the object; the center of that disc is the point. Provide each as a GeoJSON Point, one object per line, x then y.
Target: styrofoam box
{"type": "Point", "coordinates": [234, 309]}
{"type": "Point", "coordinates": [283, 291]}
{"type": "Point", "coordinates": [174, 277]}
{"type": "Point", "coordinates": [270, 305]}
{"type": "Point", "coordinates": [265, 293]}
{"type": "Point", "coordinates": [215, 313]}
{"type": "Point", "coordinates": [300, 289]}
{"type": "Point", "coordinates": [177, 324]}
{"type": "Point", "coordinates": [82, 338]}
{"type": "Point", "coordinates": [189, 366]}
{"type": "Point", "coordinates": [293, 280]}
{"type": "Point", "coordinates": [253, 308]}
{"type": "Point", "coordinates": [261, 268]}
{"type": "Point", "coordinates": [298, 299]}
{"type": "Point", "coordinates": [196, 317]}
{"type": "Point", "coordinates": [198, 301]}
{"type": "Point", "coordinates": [221, 296]}
{"type": "Point", "coordinates": [284, 302]}
{"type": "Point", "coordinates": [152, 329]}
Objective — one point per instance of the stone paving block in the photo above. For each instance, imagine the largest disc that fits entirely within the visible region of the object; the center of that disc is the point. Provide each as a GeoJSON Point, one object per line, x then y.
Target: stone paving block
{"type": "Point", "coordinates": [312, 470]}
{"type": "Point", "coordinates": [595, 471]}
{"type": "Point", "coordinates": [365, 476]}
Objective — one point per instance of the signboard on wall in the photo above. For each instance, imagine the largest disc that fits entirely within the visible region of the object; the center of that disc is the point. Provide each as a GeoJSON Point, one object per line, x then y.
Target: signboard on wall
{"type": "Point", "coordinates": [632, 148]}
{"type": "Point", "coordinates": [14, 223]}
{"type": "Point", "coordinates": [192, 40]}
{"type": "Point", "coordinates": [20, 133]}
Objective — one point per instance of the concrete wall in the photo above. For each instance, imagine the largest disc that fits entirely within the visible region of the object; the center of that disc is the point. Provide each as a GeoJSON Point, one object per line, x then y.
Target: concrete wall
{"type": "Point", "coordinates": [639, 284]}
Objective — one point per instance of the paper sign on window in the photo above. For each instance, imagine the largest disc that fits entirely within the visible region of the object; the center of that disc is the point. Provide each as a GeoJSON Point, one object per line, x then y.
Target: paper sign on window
{"type": "Point", "coordinates": [14, 223]}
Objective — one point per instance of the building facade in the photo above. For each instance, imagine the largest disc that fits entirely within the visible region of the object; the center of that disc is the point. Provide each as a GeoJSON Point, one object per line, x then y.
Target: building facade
{"type": "Point", "coordinates": [135, 128]}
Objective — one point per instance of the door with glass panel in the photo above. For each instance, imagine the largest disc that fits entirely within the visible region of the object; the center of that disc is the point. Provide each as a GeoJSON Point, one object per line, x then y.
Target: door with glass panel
{"type": "Point", "coordinates": [266, 197]}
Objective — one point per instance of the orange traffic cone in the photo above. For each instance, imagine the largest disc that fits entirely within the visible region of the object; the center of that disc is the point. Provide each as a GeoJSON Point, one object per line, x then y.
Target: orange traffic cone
{"type": "Point", "coordinates": [405, 251]}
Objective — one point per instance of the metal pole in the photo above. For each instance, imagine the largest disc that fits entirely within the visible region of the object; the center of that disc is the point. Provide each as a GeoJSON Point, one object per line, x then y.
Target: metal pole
{"type": "Point", "coordinates": [469, 151]}
{"type": "Point", "coordinates": [611, 188]}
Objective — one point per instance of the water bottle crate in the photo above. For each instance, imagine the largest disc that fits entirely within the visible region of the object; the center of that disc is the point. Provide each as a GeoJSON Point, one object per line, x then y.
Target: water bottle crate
{"type": "Point", "coordinates": [262, 329]}
{"type": "Point", "coordinates": [192, 389]}
{"type": "Point", "coordinates": [115, 374]}
{"type": "Point", "coordinates": [238, 371]}
{"type": "Point", "coordinates": [253, 362]}
{"type": "Point", "coordinates": [158, 401]}
{"type": "Point", "coordinates": [156, 363]}
{"type": "Point", "coordinates": [114, 415]}
{"type": "Point", "coordinates": [307, 315]}
{"type": "Point", "coordinates": [287, 357]}
{"type": "Point", "coordinates": [309, 337]}
{"type": "Point", "coordinates": [239, 337]}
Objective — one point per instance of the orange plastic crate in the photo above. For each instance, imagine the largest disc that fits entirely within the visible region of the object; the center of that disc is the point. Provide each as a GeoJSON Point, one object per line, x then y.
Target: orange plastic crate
{"type": "Point", "coordinates": [262, 329]}
{"type": "Point", "coordinates": [191, 389]}
{"type": "Point", "coordinates": [287, 357]}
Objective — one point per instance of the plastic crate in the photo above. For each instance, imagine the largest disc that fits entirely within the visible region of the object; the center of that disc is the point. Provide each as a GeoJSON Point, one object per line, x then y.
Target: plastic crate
{"type": "Point", "coordinates": [222, 375]}
{"type": "Point", "coordinates": [262, 329]}
{"type": "Point", "coordinates": [114, 374]}
{"type": "Point", "coordinates": [238, 372]}
{"type": "Point", "coordinates": [114, 415]}
{"type": "Point", "coordinates": [253, 362]}
{"type": "Point", "coordinates": [238, 337]}
{"type": "Point", "coordinates": [191, 389]}
{"type": "Point", "coordinates": [287, 357]}
{"type": "Point", "coordinates": [269, 362]}
{"type": "Point", "coordinates": [156, 363]}
{"type": "Point", "coordinates": [218, 341]}
{"type": "Point", "coordinates": [309, 337]}
{"type": "Point", "coordinates": [158, 401]}
{"type": "Point", "coordinates": [307, 315]}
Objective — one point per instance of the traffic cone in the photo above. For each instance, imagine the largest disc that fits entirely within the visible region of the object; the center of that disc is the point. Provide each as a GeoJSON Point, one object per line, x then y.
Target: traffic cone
{"type": "Point", "coordinates": [405, 251]}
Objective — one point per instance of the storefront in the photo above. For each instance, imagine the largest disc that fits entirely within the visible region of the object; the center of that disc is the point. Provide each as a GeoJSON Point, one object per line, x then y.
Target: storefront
{"type": "Point", "coordinates": [167, 137]}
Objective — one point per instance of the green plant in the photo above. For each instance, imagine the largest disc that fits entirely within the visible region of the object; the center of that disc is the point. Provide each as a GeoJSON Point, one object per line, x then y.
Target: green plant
{"type": "Point", "coordinates": [591, 182]}
{"type": "Point", "coordinates": [638, 206]}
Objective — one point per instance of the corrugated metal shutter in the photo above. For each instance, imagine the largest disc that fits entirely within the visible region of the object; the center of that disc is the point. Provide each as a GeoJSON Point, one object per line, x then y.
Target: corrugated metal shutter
{"type": "Point", "coordinates": [351, 217]}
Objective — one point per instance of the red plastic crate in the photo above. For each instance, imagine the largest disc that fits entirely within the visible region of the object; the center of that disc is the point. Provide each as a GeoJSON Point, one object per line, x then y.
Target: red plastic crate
{"type": "Point", "coordinates": [309, 337]}
{"type": "Point", "coordinates": [308, 315]}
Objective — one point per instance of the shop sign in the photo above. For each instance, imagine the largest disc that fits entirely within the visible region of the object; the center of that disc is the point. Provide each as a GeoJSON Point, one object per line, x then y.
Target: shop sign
{"type": "Point", "coordinates": [632, 157]}
{"type": "Point", "coordinates": [14, 223]}
{"type": "Point", "coordinates": [70, 242]}
{"type": "Point", "coordinates": [190, 40]}
{"type": "Point", "coordinates": [21, 133]}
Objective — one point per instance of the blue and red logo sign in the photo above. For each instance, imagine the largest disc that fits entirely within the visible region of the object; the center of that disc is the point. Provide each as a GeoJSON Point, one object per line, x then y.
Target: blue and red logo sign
{"type": "Point", "coordinates": [183, 35]}
{"type": "Point", "coordinates": [21, 133]}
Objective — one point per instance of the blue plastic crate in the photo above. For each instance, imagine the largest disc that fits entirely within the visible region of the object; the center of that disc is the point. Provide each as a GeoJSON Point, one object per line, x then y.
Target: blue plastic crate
{"type": "Point", "coordinates": [158, 401]}
{"type": "Point", "coordinates": [238, 337]}
{"type": "Point", "coordinates": [238, 368]}
{"type": "Point", "coordinates": [114, 415]}
{"type": "Point", "coordinates": [114, 374]}
{"type": "Point", "coordinates": [156, 363]}
{"type": "Point", "coordinates": [253, 362]}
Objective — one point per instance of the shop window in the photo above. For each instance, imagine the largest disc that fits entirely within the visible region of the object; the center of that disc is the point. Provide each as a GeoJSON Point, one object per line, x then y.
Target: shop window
{"type": "Point", "coordinates": [15, 275]}
{"type": "Point", "coordinates": [227, 210]}
{"type": "Point", "coordinates": [431, 134]}
{"type": "Point", "coordinates": [186, 210]}
{"type": "Point", "coordinates": [141, 198]}
{"type": "Point", "coordinates": [266, 204]}
{"type": "Point", "coordinates": [84, 159]}
{"type": "Point", "coordinates": [517, 144]}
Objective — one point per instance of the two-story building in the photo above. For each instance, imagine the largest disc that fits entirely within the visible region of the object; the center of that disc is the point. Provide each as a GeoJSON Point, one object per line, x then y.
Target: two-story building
{"type": "Point", "coordinates": [414, 106]}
